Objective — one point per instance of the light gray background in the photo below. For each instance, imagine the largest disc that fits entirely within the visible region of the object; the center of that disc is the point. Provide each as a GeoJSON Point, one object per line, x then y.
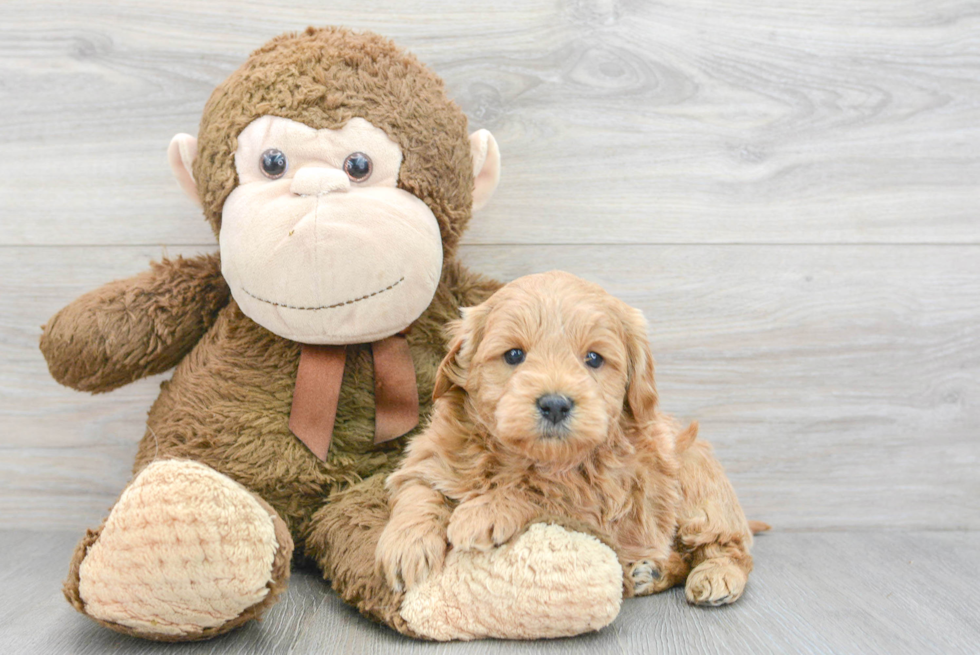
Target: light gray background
{"type": "Point", "coordinates": [790, 190]}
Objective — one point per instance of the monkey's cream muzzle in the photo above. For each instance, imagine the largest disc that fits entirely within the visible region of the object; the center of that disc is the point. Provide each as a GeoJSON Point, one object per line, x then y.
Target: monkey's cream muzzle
{"type": "Point", "coordinates": [318, 181]}
{"type": "Point", "coordinates": [317, 257]}
{"type": "Point", "coordinates": [337, 268]}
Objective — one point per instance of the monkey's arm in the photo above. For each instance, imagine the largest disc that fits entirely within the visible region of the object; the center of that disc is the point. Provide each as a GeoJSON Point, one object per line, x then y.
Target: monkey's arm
{"type": "Point", "coordinates": [135, 327]}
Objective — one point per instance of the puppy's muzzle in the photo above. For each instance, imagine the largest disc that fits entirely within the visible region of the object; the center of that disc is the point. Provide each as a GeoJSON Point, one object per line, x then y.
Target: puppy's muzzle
{"type": "Point", "coordinates": [555, 408]}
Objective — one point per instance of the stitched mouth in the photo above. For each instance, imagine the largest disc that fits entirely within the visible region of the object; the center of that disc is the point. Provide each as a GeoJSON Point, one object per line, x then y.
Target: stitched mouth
{"type": "Point", "coordinates": [333, 306]}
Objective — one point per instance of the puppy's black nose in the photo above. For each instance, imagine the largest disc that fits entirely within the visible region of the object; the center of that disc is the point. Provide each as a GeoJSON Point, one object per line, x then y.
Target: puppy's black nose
{"type": "Point", "coordinates": [555, 407]}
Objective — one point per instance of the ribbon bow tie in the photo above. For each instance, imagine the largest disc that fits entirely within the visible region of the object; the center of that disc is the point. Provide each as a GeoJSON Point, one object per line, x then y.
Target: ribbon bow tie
{"type": "Point", "coordinates": [317, 392]}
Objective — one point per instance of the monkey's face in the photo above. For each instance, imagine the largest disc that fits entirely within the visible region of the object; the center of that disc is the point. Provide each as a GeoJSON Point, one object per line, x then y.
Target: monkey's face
{"type": "Point", "coordinates": [318, 243]}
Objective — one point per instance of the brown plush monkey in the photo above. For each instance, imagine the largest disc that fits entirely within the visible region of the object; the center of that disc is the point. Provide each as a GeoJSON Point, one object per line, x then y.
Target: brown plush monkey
{"type": "Point", "coordinates": [338, 178]}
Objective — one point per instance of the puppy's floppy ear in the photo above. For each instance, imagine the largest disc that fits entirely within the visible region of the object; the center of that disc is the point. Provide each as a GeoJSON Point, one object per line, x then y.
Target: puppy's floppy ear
{"type": "Point", "coordinates": [641, 388]}
{"type": "Point", "coordinates": [465, 336]}
{"type": "Point", "coordinates": [450, 374]}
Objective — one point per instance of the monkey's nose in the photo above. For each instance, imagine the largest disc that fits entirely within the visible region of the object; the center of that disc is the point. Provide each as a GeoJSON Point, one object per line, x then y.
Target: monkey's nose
{"type": "Point", "coordinates": [317, 180]}
{"type": "Point", "coordinates": [555, 407]}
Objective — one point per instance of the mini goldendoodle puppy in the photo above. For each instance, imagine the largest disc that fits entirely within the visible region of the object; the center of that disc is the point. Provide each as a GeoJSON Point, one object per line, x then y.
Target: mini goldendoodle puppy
{"type": "Point", "coordinates": [546, 407]}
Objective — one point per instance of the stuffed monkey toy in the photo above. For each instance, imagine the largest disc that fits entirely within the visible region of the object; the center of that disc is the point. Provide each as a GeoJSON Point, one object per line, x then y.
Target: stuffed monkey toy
{"type": "Point", "coordinates": [338, 178]}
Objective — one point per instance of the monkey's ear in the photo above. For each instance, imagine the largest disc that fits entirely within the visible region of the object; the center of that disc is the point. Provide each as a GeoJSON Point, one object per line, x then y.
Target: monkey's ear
{"type": "Point", "coordinates": [486, 167]}
{"type": "Point", "coordinates": [181, 153]}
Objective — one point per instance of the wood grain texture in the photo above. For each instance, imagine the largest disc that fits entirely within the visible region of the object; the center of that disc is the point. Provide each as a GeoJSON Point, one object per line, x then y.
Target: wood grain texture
{"type": "Point", "coordinates": [838, 384]}
{"type": "Point", "coordinates": [810, 593]}
{"type": "Point", "coordinates": [619, 122]}
{"type": "Point", "coordinates": [789, 190]}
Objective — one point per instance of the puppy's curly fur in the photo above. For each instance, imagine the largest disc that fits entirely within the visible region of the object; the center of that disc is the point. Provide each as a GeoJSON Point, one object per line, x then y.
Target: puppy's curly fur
{"type": "Point", "coordinates": [496, 457]}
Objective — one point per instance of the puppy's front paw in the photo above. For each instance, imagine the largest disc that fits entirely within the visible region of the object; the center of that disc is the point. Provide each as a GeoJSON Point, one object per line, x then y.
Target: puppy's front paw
{"type": "Point", "coordinates": [645, 576]}
{"type": "Point", "coordinates": [481, 525]}
{"type": "Point", "coordinates": [407, 554]}
{"type": "Point", "coordinates": [715, 582]}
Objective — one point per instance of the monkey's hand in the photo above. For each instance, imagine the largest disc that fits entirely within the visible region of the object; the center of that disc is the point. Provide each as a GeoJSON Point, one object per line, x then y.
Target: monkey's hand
{"type": "Point", "coordinates": [135, 327]}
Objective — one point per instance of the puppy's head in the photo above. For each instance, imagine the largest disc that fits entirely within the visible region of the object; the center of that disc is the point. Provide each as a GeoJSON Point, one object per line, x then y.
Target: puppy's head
{"type": "Point", "coordinates": [552, 367]}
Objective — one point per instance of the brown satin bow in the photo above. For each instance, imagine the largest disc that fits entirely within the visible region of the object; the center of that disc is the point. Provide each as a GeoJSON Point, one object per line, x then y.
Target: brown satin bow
{"type": "Point", "coordinates": [317, 392]}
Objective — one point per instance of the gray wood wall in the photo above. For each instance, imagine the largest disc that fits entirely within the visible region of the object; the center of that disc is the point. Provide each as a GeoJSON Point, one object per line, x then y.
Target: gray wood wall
{"type": "Point", "coordinates": [789, 190]}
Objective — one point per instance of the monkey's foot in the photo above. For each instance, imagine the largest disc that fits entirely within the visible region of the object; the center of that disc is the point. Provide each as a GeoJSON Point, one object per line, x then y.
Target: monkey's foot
{"type": "Point", "coordinates": [187, 553]}
{"type": "Point", "coordinates": [715, 581]}
{"type": "Point", "coordinates": [547, 582]}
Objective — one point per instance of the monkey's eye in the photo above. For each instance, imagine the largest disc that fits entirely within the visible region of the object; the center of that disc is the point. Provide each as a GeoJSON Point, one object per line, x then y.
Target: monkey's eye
{"type": "Point", "coordinates": [593, 359]}
{"type": "Point", "coordinates": [273, 163]}
{"type": "Point", "coordinates": [514, 356]}
{"type": "Point", "coordinates": [358, 167]}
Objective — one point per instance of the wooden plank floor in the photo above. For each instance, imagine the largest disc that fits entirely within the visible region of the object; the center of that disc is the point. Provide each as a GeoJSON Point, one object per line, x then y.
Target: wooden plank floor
{"type": "Point", "coordinates": [789, 190]}
{"type": "Point", "coordinates": [857, 592]}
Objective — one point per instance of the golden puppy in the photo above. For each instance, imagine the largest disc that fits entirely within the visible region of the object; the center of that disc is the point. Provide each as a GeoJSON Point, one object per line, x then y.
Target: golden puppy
{"type": "Point", "coordinates": [546, 407]}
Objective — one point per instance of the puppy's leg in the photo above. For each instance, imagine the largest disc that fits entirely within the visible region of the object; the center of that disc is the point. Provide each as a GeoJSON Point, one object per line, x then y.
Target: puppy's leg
{"type": "Point", "coordinates": [651, 576]}
{"type": "Point", "coordinates": [649, 564]}
{"type": "Point", "coordinates": [414, 541]}
{"type": "Point", "coordinates": [713, 536]}
{"type": "Point", "coordinates": [645, 537]}
{"type": "Point", "coordinates": [487, 521]}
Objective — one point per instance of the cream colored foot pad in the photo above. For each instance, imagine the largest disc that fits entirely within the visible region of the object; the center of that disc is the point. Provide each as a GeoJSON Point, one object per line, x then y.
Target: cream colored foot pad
{"type": "Point", "coordinates": [185, 548]}
{"type": "Point", "coordinates": [548, 582]}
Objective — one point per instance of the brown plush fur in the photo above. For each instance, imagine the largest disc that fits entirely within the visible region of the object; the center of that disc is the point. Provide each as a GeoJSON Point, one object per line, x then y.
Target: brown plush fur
{"type": "Point", "coordinates": [489, 463]}
{"type": "Point", "coordinates": [133, 328]}
{"type": "Point", "coordinates": [228, 402]}
{"type": "Point", "coordinates": [345, 534]}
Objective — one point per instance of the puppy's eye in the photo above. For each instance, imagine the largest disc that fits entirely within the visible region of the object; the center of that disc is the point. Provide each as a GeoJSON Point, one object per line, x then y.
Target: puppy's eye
{"type": "Point", "coordinates": [514, 356]}
{"type": "Point", "coordinates": [593, 359]}
{"type": "Point", "coordinates": [358, 167]}
{"type": "Point", "coordinates": [273, 163]}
